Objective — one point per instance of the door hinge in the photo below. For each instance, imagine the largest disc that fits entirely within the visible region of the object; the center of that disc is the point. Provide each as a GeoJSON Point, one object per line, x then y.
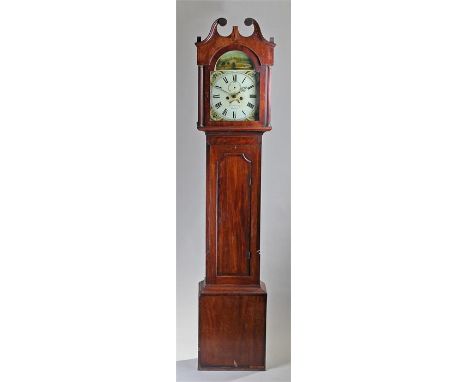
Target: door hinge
{"type": "Point", "coordinates": [248, 254]}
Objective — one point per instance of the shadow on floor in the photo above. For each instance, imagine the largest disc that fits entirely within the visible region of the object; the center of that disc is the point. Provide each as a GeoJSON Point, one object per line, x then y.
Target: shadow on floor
{"type": "Point", "coordinates": [187, 372]}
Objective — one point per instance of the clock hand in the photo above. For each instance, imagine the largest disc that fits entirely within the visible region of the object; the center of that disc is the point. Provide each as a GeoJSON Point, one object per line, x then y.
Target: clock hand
{"type": "Point", "coordinates": [220, 88]}
{"type": "Point", "coordinates": [240, 90]}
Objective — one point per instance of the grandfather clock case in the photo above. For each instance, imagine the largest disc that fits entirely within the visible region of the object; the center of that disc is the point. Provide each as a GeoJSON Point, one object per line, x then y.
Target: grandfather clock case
{"type": "Point", "coordinates": [234, 112]}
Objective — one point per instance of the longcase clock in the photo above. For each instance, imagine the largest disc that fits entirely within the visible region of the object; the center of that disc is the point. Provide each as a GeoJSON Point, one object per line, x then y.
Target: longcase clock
{"type": "Point", "coordinates": [234, 112]}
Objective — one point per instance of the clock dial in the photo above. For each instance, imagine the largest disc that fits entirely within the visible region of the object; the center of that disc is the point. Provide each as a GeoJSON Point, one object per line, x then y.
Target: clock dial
{"type": "Point", "coordinates": [233, 95]}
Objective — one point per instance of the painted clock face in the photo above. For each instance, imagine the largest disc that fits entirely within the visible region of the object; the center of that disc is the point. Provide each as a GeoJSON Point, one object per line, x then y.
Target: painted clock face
{"type": "Point", "coordinates": [234, 89]}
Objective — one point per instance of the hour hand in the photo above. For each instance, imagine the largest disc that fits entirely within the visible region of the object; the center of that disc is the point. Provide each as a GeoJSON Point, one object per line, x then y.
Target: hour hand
{"type": "Point", "coordinates": [220, 88]}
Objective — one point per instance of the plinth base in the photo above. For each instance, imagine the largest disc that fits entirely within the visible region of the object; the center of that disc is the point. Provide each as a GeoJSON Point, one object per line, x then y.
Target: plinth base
{"type": "Point", "coordinates": [231, 327]}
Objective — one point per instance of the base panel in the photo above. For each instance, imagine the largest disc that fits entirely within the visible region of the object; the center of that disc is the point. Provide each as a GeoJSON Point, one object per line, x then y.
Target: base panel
{"type": "Point", "coordinates": [231, 327]}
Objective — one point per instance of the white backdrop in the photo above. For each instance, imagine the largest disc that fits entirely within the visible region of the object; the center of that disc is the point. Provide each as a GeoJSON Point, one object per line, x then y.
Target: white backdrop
{"type": "Point", "coordinates": [87, 191]}
{"type": "Point", "coordinates": [380, 207]}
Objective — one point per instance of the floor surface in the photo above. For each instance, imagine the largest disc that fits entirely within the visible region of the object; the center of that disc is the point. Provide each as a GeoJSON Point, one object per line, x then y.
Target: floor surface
{"type": "Point", "coordinates": [187, 372]}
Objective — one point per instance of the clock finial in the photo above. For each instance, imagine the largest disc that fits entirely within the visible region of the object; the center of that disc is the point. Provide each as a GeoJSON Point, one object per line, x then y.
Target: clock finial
{"type": "Point", "coordinates": [248, 21]}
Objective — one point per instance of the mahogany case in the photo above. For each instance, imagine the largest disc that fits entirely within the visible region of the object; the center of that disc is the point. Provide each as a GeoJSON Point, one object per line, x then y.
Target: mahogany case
{"type": "Point", "coordinates": [232, 299]}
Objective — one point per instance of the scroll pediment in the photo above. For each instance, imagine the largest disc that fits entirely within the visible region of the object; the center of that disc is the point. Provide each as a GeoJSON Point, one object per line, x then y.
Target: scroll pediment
{"type": "Point", "coordinates": [208, 47]}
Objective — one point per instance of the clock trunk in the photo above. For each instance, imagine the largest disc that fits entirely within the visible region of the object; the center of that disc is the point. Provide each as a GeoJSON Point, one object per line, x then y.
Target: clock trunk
{"type": "Point", "coordinates": [233, 208]}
